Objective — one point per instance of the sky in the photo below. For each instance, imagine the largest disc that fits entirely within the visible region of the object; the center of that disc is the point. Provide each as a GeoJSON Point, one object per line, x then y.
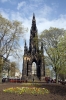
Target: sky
{"type": "Point", "coordinates": [48, 13]}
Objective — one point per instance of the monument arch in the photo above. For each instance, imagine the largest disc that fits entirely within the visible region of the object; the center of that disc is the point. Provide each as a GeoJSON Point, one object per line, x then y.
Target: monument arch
{"type": "Point", "coordinates": [32, 54]}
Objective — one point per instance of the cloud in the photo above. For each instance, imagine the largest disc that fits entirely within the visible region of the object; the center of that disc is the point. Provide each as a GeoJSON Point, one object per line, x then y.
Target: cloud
{"type": "Point", "coordinates": [40, 8]}
{"type": "Point", "coordinates": [37, 1]}
{"type": "Point", "coordinates": [4, 13]}
{"type": "Point", "coordinates": [43, 23]}
{"type": "Point", "coordinates": [20, 5]}
{"type": "Point", "coordinates": [45, 11]}
{"type": "Point", "coordinates": [4, 1]}
{"type": "Point", "coordinates": [13, 2]}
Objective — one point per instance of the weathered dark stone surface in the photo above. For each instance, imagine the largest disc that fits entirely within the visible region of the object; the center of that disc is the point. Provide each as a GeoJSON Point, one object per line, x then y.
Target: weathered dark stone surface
{"type": "Point", "coordinates": [33, 54]}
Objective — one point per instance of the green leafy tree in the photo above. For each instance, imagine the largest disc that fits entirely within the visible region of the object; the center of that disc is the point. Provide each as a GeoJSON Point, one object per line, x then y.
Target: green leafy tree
{"type": "Point", "coordinates": [50, 39]}
{"type": "Point", "coordinates": [62, 53]}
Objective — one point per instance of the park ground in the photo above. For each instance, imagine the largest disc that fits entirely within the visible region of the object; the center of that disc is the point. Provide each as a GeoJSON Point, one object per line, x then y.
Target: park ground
{"type": "Point", "coordinates": [57, 92]}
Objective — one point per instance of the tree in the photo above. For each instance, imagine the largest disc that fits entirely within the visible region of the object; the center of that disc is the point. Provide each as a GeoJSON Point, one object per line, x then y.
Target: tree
{"type": "Point", "coordinates": [13, 67]}
{"type": "Point", "coordinates": [6, 66]}
{"type": "Point", "coordinates": [48, 72]}
{"type": "Point", "coordinates": [10, 34]}
{"type": "Point", "coordinates": [62, 51]}
{"type": "Point", "coordinates": [1, 63]}
{"type": "Point", "coordinates": [50, 39]}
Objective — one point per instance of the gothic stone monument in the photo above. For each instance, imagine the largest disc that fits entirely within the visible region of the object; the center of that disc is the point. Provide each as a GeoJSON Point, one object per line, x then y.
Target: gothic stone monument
{"type": "Point", "coordinates": [33, 55]}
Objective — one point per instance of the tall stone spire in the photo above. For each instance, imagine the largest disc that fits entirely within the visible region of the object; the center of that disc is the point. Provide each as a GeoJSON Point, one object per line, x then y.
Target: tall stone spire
{"type": "Point", "coordinates": [33, 34]}
{"type": "Point", "coordinates": [25, 43]}
{"type": "Point", "coordinates": [33, 30]}
{"type": "Point", "coordinates": [25, 48]}
{"type": "Point", "coordinates": [33, 16]}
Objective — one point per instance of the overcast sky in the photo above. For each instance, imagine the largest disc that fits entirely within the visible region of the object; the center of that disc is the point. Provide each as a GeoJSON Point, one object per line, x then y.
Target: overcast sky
{"type": "Point", "coordinates": [48, 13]}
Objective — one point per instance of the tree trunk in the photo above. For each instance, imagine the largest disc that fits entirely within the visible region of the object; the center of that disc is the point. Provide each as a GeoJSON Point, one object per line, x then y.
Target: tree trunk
{"type": "Point", "coordinates": [8, 73]}
{"type": "Point", "coordinates": [56, 77]}
{"type": "Point", "coordinates": [0, 77]}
